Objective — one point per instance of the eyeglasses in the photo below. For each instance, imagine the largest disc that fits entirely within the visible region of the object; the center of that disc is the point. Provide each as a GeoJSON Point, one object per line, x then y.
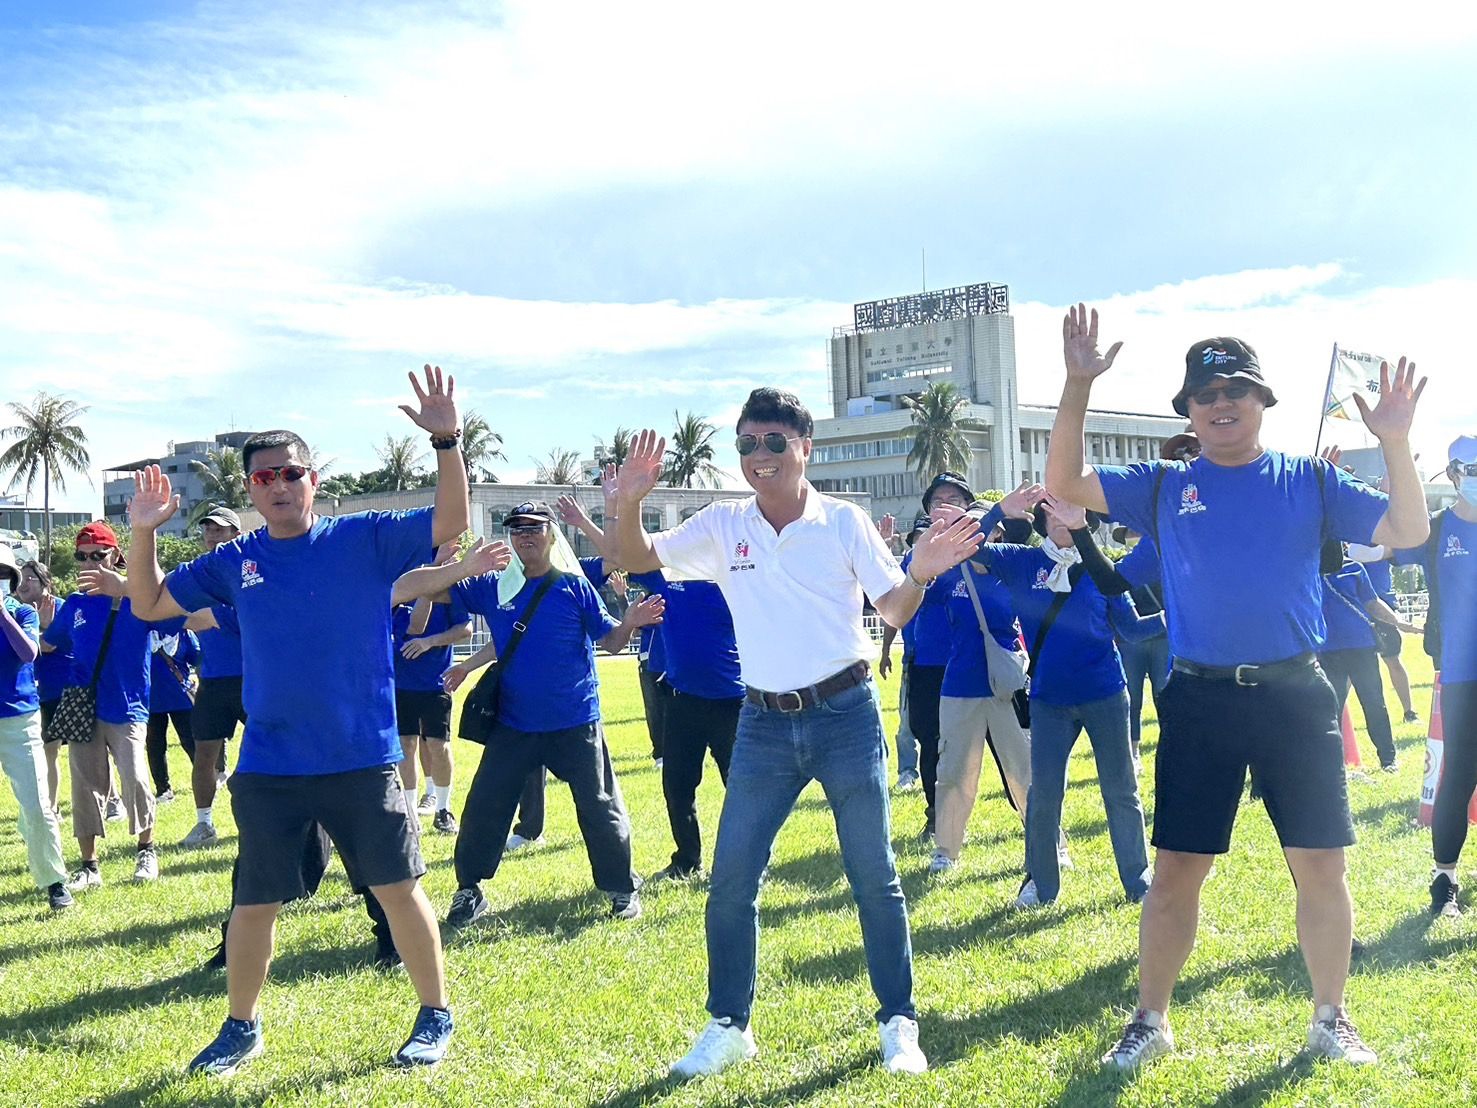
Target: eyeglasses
{"type": "Point", "coordinates": [527, 529]}
{"type": "Point", "coordinates": [1206, 397]}
{"type": "Point", "coordinates": [267, 474]}
{"type": "Point", "coordinates": [773, 441]}
{"type": "Point", "coordinates": [90, 555]}
{"type": "Point", "coordinates": [1464, 469]}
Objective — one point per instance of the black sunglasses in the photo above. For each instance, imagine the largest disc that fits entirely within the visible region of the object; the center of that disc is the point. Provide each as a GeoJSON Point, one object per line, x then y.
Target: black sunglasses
{"type": "Point", "coordinates": [528, 529]}
{"type": "Point", "coordinates": [773, 441]}
{"type": "Point", "coordinates": [1206, 397]}
{"type": "Point", "coordinates": [1464, 469]}
{"type": "Point", "coordinates": [90, 556]}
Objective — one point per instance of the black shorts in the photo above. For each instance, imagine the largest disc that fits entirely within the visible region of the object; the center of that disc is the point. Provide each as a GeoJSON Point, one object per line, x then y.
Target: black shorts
{"type": "Point", "coordinates": [363, 812]}
{"type": "Point", "coordinates": [1287, 731]}
{"type": "Point", "coordinates": [1387, 639]}
{"type": "Point", "coordinates": [423, 712]}
{"type": "Point", "coordinates": [48, 709]}
{"type": "Point", "coordinates": [217, 709]}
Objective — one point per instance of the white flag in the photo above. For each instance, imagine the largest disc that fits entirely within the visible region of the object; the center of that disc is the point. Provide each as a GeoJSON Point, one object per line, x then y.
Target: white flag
{"type": "Point", "coordinates": [1351, 372]}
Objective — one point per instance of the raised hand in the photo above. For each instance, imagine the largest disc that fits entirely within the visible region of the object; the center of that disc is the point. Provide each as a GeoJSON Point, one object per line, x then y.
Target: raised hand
{"type": "Point", "coordinates": [154, 501]}
{"type": "Point", "coordinates": [1079, 344]}
{"type": "Point", "coordinates": [944, 545]}
{"type": "Point", "coordinates": [1331, 455]}
{"type": "Point", "coordinates": [100, 581]}
{"type": "Point", "coordinates": [1018, 503]}
{"type": "Point", "coordinates": [571, 512]}
{"type": "Point", "coordinates": [642, 469]}
{"type": "Point", "coordinates": [1071, 516]}
{"type": "Point", "coordinates": [486, 557]}
{"type": "Point", "coordinates": [887, 527]}
{"type": "Point", "coordinates": [1390, 419]}
{"type": "Point", "coordinates": [646, 612]}
{"type": "Point", "coordinates": [437, 412]}
{"type": "Point", "coordinates": [445, 552]}
{"type": "Point", "coordinates": [617, 582]}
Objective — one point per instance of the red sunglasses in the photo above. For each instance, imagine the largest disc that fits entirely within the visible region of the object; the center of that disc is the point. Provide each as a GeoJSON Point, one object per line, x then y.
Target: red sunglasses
{"type": "Point", "coordinates": [267, 474]}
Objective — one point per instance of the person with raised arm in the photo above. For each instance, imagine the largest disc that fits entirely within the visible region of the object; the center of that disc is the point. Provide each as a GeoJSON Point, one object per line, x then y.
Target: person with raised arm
{"type": "Point", "coordinates": [320, 744]}
{"type": "Point", "coordinates": [1245, 688]}
{"type": "Point", "coordinates": [793, 565]}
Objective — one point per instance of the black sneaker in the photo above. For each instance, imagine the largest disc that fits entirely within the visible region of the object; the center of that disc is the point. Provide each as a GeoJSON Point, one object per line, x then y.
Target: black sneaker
{"type": "Point", "coordinates": [1411, 717]}
{"type": "Point", "coordinates": [466, 905]}
{"type": "Point", "coordinates": [217, 959]}
{"type": "Point", "coordinates": [386, 957]}
{"type": "Point", "coordinates": [1444, 894]}
{"type": "Point", "coordinates": [58, 897]}
{"type": "Point", "coordinates": [625, 906]}
{"type": "Point", "coordinates": [675, 872]}
{"type": "Point", "coordinates": [444, 822]}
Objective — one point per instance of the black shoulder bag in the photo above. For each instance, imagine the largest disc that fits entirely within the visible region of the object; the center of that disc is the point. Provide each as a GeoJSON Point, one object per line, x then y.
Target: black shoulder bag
{"type": "Point", "coordinates": [479, 712]}
{"type": "Point", "coordinates": [76, 712]}
{"type": "Point", "coordinates": [1431, 638]}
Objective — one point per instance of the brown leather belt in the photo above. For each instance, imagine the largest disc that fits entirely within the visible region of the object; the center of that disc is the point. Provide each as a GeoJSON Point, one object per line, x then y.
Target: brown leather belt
{"type": "Point", "coordinates": [797, 700]}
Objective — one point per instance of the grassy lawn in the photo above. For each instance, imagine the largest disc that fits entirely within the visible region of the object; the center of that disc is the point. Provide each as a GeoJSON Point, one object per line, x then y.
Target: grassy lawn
{"type": "Point", "coordinates": [558, 1005]}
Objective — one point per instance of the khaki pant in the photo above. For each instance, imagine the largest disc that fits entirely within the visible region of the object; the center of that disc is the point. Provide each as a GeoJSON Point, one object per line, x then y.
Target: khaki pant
{"type": "Point", "coordinates": [24, 761]}
{"type": "Point", "coordinates": [964, 723]}
{"type": "Point", "coordinates": [89, 763]}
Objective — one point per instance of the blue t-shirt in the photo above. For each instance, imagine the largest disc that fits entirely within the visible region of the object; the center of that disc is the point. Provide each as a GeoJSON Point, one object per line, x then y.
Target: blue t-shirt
{"type": "Point", "coordinates": [314, 611]}
{"type": "Point", "coordinates": [1456, 562]}
{"type": "Point", "coordinates": [595, 571]}
{"type": "Point", "coordinates": [1345, 595]}
{"type": "Point", "coordinates": [1079, 661]}
{"type": "Point", "coordinates": [930, 624]}
{"type": "Point", "coordinates": [550, 684]}
{"type": "Point", "coordinates": [17, 678]}
{"type": "Point", "coordinates": [1381, 579]}
{"type": "Point", "coordinates": [1222, 607]}
{"type": "Point", "coordinates": [423, 674]}
{"type": "Point", "coordinates": [650, 645]}
{"type": "Point", "coordinates": [968, 670]}
{"type": "Point", "coordinates": [52, 671]}
{"type": "Point", "coordinates": [123, 684]}
{"type": "Point", "coordinates": [220, 646]}
{"type": "Point", "coordinates": [701, 652]}
{"type": "Point", "coordinates": [166, 693]}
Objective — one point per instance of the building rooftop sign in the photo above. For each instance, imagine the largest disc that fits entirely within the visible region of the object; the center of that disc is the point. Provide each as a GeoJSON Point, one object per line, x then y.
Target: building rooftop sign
{"type": "Point", "coordinates": [931, 307]}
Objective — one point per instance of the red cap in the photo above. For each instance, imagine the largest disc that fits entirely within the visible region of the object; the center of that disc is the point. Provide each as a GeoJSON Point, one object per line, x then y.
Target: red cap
{"type": "Point", "coordinates": [97, 533]}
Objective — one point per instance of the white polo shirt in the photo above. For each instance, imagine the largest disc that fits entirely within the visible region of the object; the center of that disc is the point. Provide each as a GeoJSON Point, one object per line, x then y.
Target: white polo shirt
{"type": "Point", "coordinates": [796, 596]}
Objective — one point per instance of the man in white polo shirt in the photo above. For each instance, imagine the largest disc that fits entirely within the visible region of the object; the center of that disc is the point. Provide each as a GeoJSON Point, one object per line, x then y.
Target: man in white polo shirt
{"type": "Point", "coordinates": [793, 565]}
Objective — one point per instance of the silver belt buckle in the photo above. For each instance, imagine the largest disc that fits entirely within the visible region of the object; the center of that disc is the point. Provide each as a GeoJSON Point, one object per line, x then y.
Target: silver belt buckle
{"type": "Point", "coordinates": [779, 701]}
{"type": "Point", "coordinates": [1246, 684]}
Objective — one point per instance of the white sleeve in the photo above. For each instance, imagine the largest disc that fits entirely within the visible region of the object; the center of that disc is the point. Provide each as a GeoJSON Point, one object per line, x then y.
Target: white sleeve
{"type": "Point", "coordinates": [876, 570]}
{"type": "Point", "coordinates": [693, 550]}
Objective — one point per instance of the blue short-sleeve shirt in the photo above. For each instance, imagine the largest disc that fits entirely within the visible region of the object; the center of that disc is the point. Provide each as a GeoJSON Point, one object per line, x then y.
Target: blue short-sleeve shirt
{"type": "Point", "coordinates": [18, 679]}
{"type": "Point", "coordinates": [701, 651]}
{"type": "Point", "coordinates": [424, 673]}
{"type": "Point", "coordinates": [123, 682]}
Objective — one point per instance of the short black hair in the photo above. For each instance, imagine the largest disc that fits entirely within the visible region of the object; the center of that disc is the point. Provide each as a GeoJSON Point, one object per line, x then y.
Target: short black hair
{"type": "Point", "coordinates": [768, 405]}
{"type": "Point", "coordinates": [271, 440]}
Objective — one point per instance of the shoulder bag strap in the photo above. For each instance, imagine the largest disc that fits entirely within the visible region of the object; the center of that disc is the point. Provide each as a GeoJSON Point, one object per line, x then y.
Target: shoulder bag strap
{"type": "Point", "coordinates": [521, 625]}
{"type": "Point", "coordinates": [974, 597]}
{"type": "Point", "coordinates": [102, 650]}
{"type": "Point", "coordinates": [1058, 602]}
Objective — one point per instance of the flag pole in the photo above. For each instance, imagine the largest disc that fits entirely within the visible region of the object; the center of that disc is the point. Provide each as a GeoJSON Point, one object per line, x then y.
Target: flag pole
{"type": "Point", "coordinates": [1327, 390]}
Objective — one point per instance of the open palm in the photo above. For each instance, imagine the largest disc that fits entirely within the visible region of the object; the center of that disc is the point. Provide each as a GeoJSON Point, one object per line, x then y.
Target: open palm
{"type": "Point", "coordinates": [1079, 344]}
{"type": "Point", "coordinates": [1391, 417]}
{"type": "Point", "coordinates": [642, 469]}
{"type": "Point", "coordinates": [154, 501]}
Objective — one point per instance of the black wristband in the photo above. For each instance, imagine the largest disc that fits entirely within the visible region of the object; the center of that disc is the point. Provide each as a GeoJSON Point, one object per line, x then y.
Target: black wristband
{"type": "Point", "coordinates": [447, 442]}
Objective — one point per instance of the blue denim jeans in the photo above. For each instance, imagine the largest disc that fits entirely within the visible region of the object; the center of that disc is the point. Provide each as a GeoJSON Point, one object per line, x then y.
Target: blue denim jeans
{"type": "Point", "coordinates": [839, 743]}
{"type": "Point", "coordinates": [1146, 658]}
{"type": "Point", "coordinates": [1054, 730]}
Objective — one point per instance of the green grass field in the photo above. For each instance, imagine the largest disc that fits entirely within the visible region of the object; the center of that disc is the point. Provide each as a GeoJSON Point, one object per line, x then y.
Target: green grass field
{"type": "Point", "coordinates": [558, 1005]}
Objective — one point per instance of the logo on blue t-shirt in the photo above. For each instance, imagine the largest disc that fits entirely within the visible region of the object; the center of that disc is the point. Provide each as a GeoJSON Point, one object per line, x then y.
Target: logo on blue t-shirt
{"type": "Point", "coordinates": [250, 575]}
{"type": "Point", "coordinates": [78, 619]}
{"type": "Point", "coordinates": [1042, 581]}
{"type": "Point", "coordinates": [1190, 500]}
{"type": "Point", "coordinates": [1454, 547]}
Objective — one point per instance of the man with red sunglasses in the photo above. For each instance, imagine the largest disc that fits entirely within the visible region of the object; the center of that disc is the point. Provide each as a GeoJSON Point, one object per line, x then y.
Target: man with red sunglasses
{"type": "Point", "coordinates": [321, 743]}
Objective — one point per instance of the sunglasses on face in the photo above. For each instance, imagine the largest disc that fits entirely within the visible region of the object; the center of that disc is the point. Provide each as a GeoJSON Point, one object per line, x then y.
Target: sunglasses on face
{"type": "Point", "coordinates": [1206, 397]}
{"type": "Point", "coordinates": [1464, 469]}
{"type": "Point", "coordinates": [773, 441]}
{"type": "Point", "coordinates": [90, 555]}
{"type": "Point", "coordinates": [267, 474]}
{"type": "Point", "coordinates": [527, 529]}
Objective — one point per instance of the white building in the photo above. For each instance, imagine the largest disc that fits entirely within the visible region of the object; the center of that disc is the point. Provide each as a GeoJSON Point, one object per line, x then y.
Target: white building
{"type": "Point", "coordinates": [896, 348]}
{"type": "Point", "coordinates": [118, 481]}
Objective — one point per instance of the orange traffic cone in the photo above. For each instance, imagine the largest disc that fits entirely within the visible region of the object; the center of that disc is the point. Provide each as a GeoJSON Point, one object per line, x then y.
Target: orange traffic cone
{"type": "Point", "coordinates": [1435, 746]}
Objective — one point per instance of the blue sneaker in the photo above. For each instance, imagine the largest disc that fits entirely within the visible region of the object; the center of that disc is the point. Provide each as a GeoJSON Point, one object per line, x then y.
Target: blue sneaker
{"type": "Point", "coordinates": [428, 1040]}
{"type": "Point", "coordinates": [239, 1041]}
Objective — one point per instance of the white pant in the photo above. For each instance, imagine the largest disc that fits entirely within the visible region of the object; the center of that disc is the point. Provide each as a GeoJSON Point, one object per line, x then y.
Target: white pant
{"type": "Point", "coordinates": [24, 760]}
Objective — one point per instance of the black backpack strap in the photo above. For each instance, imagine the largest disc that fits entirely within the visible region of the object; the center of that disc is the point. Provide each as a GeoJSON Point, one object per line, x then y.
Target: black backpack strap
{"type": "Point", "coordinates": [102, 650]}
{"type": "Point", "coordinates": [520, 625]}
{"type": "Point", "coordinates": [1058, 602]}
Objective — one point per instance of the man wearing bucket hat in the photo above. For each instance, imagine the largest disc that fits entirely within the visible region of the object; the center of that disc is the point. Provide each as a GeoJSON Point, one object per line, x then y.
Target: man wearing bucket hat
{"type": "Point", "coordinates": [1246, 689]}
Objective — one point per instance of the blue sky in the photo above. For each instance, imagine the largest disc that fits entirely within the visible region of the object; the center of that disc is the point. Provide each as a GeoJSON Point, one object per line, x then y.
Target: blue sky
{"type": "Point", "coordinates": [215, 215]}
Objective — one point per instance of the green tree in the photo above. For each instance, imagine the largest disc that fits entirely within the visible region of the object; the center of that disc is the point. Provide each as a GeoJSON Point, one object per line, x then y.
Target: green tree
{"type": "Point", "coordinates": [613, 454]}
{"type": "Point", "coordinates": [225, 483]}
{"type": "Point", "coordinates": [690, 454]}
{"type": "Point", "coordinates": [939, 444]}
{"type": "Point", "coordinates": [401, 460]}
{"type": "Point", "coordinates": [47, 443]}
{"type": "Point", "coordinates": [561, 467]}
{"type": "Point", "coordinates": [480, 445]}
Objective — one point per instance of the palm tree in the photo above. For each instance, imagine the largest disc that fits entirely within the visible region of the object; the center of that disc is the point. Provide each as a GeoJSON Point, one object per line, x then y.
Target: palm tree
{"type": "Point", "coordinates": [225, 482]}
{"type": "Point", "coordinates": [615, 453]}
{"type": "Point", "coordinates": [480, 444]}
{"type": "Point", "coordinates": [47, 443]}
{"type": "Point", "coordinates": [690, 456]}
{"type": "Point", "coordinates": [938, 431]}
{"type": "Point", "coordinates": [401, 461]}
{"type": "Point", "coordinates": [561, 467]}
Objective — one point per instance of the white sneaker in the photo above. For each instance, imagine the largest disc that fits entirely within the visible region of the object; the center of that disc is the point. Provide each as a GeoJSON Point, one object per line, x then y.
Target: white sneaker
{"type": "Point", "coordinates": [941, 864]}
{"type": "Point", "coordinates": [1146, 1037]}
{"type": "Point", "coordinates": [85, 879]}
{"type": "Point", "coordinates": [656, 763]}
{"type": "Point", "coordinates": [719, 1046]}
{"type": "Point", "coordinates": [900, 1052]}
{"type": "Point", "coordinates": [907, 779]}
{"type": "Point", "coordinates": [114, 810]}
{"type": "Point", "coordinates": [220, 780]}
{"type": "Point", "coordinates": [1027, 897]}
{"type": "Point", "coordinates": [1064, 859]}
{"type": "Point", "coordinates": [1332, 1035]}
{"type": "Point", "coordinates": [203, 834]}
{"type": "Point", "coordinates": [146, 865]}
{"type": "Point", "coordinates": [427, 805]}
{"type": "Point", "coordinates": [518, 842]}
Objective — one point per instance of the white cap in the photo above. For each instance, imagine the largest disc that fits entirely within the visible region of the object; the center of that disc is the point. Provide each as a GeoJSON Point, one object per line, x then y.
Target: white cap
{"type": "Point", "coordinates": [1464, 449]}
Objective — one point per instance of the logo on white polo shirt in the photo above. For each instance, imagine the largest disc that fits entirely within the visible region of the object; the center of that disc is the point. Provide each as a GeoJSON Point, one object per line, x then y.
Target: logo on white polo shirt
{"type": "Point", "coordinates": [250, 574]}
{"type": "Point", "coordinates": [741, 559]}
{"type": "Point", "coordinates": [1190, 502]}
{"type": "Point", "coordinates": [1454, 547]}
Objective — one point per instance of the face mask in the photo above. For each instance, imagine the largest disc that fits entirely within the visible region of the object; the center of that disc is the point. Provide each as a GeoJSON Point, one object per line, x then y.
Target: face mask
{"type": "Point", "coordinates": [1467, 489]}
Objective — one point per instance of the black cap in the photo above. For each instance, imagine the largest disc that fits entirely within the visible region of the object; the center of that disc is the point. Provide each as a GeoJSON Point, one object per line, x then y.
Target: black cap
{"type": "Point", "coordinates": [949, 480]}
{"type": "Point", "coordinates": [1017, 531]}
{"type": "Point", "coordinates": [922, 523]}
{"type": "Point", "coordinates": [1219, 357]}
{"type": "Point", "coordinates": [533, 511]}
